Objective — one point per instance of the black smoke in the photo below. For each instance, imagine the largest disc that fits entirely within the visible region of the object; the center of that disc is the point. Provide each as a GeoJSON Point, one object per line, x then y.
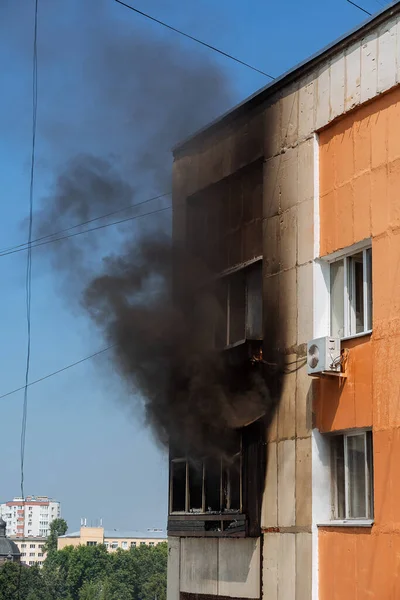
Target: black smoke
{"type": "Point", "coordinates": [137, 94]}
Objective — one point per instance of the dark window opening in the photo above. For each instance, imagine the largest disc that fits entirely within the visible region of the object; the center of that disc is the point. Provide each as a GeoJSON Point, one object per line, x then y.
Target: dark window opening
{"type": "Point", "coordinates": [212, 484]}
{"type": "Point", "coordinates": [178, 493]}
{"type": "Point", "coordinates": [195, 487]}
{"type": "Point", "coordinates": [240, 296]}
{"type": "Point", "coordinates": [206, 486]}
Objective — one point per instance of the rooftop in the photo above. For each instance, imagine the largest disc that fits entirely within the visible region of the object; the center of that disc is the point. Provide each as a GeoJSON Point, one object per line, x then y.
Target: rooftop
{"type": "Point", "coordinates": [293, 74]}
{"type": "Point", "coordinates": [115, 533]}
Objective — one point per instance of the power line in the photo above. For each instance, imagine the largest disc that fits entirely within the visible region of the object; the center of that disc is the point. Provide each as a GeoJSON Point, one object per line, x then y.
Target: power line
{"type": "Point", "coordinates": [190, 37]}
{"type": "Point", "coordinates": [28, 273]}
{"type": "Point", "coordinates": [360, 7]}
{"type": "Point", "coordinates": [74, 364]}
{"type": "Point", "coordinates": [28, 277]}
{"type": "Point", "coordinates": [65, 237]}
{"type": "Point", "coordinates": [50, 235]}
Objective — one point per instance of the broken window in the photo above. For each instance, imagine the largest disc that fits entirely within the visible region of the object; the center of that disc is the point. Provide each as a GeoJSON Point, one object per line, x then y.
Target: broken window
{"type": "Point", "coordinates": [241, 299]}
{"type": "Point", "coordinates": [206, 486]}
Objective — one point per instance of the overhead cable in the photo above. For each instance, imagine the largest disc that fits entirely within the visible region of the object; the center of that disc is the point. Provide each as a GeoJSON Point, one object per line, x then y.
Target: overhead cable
{"type": "Point", "coordinates": [71, 235]}
{"type": "Point", "coordinates": [194, 39]}
{"type": "Point", "coordinates": [74, 364]}
{"type": "Point", "coordinates": [24, 246]}
{"type": "Point", "coordinates": [360, 7]}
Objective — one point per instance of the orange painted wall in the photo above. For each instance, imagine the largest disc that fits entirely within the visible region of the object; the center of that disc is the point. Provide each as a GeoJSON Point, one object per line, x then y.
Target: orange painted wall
{"type": "Point", "coordinates": [360, 198]}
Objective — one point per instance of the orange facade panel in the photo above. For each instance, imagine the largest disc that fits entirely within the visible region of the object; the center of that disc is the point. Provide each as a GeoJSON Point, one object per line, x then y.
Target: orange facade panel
{"type": "Point", "coordinates": [359, 199]}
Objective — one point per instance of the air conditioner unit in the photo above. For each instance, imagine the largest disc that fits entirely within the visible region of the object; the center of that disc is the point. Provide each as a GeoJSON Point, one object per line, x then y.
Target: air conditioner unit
{"type": "Point", "coordinates": [323, 356]}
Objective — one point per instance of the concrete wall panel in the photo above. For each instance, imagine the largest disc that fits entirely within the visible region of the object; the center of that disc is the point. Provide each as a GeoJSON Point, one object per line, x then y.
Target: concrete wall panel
{"type": "Point", "coordinates": [323, 96]}
{"type": "Point", "coordinates": [353, 76]}
{"type": "Point", "coordinates": [369, 67]}
{"type": "Point", "coordinates": [173, 578]}
{"type": "Point", "coordinates": [287, 566]}
{"type": "Point", "coordinates": [305, 181]}
{"type": "Point", "coordinates": [307, 94]}
{"type": "Point", "coordinates": [287, 406]}
{"type": "Point", "coordinates": [303, 566]}
{"type": "Point", "coordinates": [305, 305]}
{"type": "Point", "coordinates": [288, 176]}
{"type": "Point", "coordinates": [288, 238]}
{"type": "Point", "coordinates": [303, 482]}
{"type": "Point", "coordinates": [269, 513]}
{"type": "Point", "coordinates": [290, 117]}
{"type": "Point", "coordinates": [387, 56]}
{"type": "Point", "coordinates": [270, 566]}
{"type": "Point", "coordinates": [286, 483]}
{"type": "Point", "coordinates": [199, 566]}
{"type": "Point", "coordinates": [239, 568]}
{"type": "Point", "coordinates": [337, 86]}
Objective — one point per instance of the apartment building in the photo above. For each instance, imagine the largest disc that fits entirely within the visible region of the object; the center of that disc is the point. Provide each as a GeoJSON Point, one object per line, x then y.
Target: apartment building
{"type": "Point", "coordinates": [31, 550]}
{"type": "Point", "coordinates": [30, 517]}
{"type": "Point", "coordinates": [306, 176]}
{"type": "Point", "coordinates": [112, 539]}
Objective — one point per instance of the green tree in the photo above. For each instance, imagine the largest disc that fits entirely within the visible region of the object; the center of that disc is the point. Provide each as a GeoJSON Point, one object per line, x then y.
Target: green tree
{"type": "Point", "coordinates": [57, 527]}
{"type": "Point", "coordinates": [19, 581]}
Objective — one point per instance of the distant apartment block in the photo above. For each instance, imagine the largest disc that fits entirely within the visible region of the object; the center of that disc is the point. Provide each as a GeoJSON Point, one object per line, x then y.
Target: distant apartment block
{"type": "Point", "coordinates": [29, 517]}
{"type": "Point", "coordinates": [112, 539]}
{"type": "Point", "coordinates": [31, 550]}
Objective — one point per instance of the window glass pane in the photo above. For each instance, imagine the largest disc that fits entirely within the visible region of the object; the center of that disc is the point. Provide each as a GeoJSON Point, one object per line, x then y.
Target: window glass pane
{"type": "Point", "coordinates": [337, 299]}
{"type": "Point", "coordinates": [356, 476]}
{"type": "Point", "coordinates": [356, 292]}
{"type": "Point", "coordinates": [369, 287]}
{"type": "Point", "coordinates": [178, 473]}
{"type": "Point", "coordinates": [237, 307]}
{"type": "Point", "coordinates": [254, 303]}
{"type": "Point", "coordinates": [195, 487]}
{"type": "Point", "coordinates": [338, 477]}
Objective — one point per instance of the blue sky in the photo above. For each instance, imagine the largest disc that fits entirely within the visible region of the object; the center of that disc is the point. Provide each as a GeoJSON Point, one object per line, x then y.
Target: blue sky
{"type": "Point", "coordinates": [87, 445]}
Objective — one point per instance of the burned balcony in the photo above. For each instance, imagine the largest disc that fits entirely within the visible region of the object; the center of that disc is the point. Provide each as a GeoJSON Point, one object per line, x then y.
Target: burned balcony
{"type": "Point", "coordinates": [219, 498]}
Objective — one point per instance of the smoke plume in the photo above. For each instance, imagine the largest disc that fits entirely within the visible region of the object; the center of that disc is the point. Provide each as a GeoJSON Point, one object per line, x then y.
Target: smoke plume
{"type": "Point", "coordinates": [139, 95]}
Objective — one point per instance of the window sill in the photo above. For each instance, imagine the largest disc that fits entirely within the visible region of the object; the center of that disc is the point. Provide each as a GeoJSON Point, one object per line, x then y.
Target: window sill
{"type": "Point", "coordinates": [348, 523]}
{"type": "Point", "coordinates": [356, 336]}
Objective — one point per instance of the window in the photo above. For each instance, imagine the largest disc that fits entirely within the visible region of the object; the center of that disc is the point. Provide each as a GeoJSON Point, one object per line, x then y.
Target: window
{"type": "Point", "coordinates": [32, 546]}
{"type": "Point", "coordinates": [31, 554]}
{"type": "Point", "coordinates": [351, 294]}
{"type": "Point", "coordinates": [133, 544]}
{"type": "Point", "coordinates": [23, 553]}
{"type": "Point", "coordinates": [124, 545]}
{"type": "Point", "coordinates": [114, 545]}
{"type": "Point", "coordinates": [23, 545]}
{"type": "Point", "coordinates": [142, 543]}
{"type": "Point", "coordinates": [151, 544]}
{"type": "Point", "coordinates": [40, 546]}
{"type": "Point", "coordinates": [206, 486]}
{"type": "Point", "coordinates": [91, 543]}
{"type": "Point", "coordinates": [241, 301]}
{"type": "Point", "coordinates": [352, 476]}
{"type": "Point", "coordinates": [40, 553]}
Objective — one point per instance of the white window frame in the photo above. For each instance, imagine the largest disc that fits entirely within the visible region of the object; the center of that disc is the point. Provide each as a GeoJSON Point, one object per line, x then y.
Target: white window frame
{"type": "Point", "coordinates": [369, 480]}
{"type": "Point", "coordinates": [349, 313]}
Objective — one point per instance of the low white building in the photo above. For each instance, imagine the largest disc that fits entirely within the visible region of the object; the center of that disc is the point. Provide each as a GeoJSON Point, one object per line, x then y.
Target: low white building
{"type": "Point", "coordinates": [30, 517]}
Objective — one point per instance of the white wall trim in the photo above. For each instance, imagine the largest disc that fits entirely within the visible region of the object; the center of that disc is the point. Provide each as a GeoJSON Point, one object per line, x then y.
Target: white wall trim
{"type": "Point", "coordinates": [316, 197]}
{"type": "Point", "coordinates": [321, 498]}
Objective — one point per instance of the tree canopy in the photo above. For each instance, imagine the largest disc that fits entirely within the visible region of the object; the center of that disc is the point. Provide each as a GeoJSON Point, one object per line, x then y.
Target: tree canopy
{"type": "Point", "coordinates": [57, 527]}
{"type": "Point", "coordinates": [90, 573]}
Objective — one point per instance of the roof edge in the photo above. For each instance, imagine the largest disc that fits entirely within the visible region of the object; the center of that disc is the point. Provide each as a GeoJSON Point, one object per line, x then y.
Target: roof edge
{"type": "Point", "coordinates": [299, 70]}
